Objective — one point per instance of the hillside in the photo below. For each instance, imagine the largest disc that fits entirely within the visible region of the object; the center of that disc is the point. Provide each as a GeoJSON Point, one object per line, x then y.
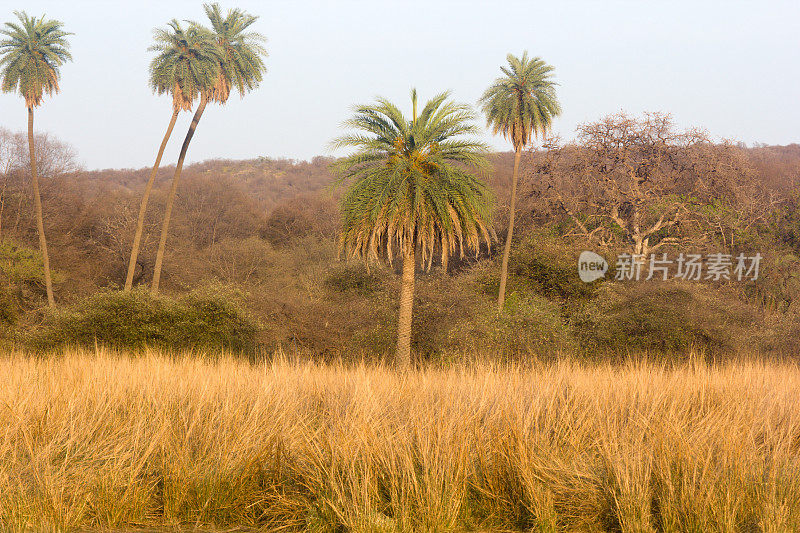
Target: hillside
{"type": "Point", "coordinates": [266, 228]}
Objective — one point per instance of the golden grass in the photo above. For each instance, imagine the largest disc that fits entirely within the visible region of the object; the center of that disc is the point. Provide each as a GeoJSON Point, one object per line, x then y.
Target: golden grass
{"type": "Point", "coordinates": [108, 442]}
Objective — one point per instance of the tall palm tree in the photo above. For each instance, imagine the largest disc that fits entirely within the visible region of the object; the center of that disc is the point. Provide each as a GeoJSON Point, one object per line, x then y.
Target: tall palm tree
{"type": "Point", "coordinates": [243, 53]}
{"type": "Point", "coordinates": [185, 63]}
{"type": "Point", "coordinates": [519, 105]}
{"type": "Point", "coordinates": [240, 65]}
{"type": "Point", "coordinates": [414, 192]}
{"type": "Point", "coordinates": [30, 57]}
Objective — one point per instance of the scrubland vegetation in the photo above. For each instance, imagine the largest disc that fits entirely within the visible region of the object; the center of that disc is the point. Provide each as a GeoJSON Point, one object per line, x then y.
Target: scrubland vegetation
{"type": "Point", "coordinates": [113, 442]}
{"type": "Point", "coordinates": [240, 377]}
{"type": "Point", "coordinates": [262, 233]}
{"type": "Point", "coordinates": [252, 262]}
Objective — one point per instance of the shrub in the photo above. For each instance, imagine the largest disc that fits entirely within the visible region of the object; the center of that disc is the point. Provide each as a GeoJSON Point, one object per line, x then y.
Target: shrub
{"type": "Point", "coordinates": [302, 216]}
{"type": "Point", "coordinates": [353, 278]}
{"type": "Point", "coordinates": [205, 319]}
{"type": "Point", "coordinates": [9, 308]}
{"type": "Point", "coordinates": [664, 317]}
{"type": "Point", "coordinates": [549, 266]}
{"type": "Point", "coordinates": [21, 282]}
{"type": "Point", "coordinates": [21, 265]}
{"type": "Point", "coordinates": [530, 326]}
{"type": "Point", "coordinates": [453, 316]}
{"type": "Point", "coordinates": [542, 264]}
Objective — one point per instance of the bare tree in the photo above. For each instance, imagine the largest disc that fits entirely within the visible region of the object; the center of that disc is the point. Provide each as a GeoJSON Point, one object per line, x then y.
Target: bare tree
{"type": "Point", "coordinates": [642, 182]}
{"type": "Point", "coordinates": [8, 161]}
{"type": "Point", "coordinates": [54, 158]}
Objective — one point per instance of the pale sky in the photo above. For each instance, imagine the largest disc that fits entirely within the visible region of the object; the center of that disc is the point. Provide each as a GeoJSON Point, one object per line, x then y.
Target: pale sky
{"type": "Point", "coordinates": [731, 67]}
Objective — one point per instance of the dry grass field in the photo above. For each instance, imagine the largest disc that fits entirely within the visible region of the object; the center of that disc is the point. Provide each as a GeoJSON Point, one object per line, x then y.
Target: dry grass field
{"type": "Point", "coordinates": [108, 442]}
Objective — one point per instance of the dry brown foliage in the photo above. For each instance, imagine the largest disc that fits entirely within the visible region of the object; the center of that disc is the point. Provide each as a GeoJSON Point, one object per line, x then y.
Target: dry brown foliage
{"type": "Point", "coordinates": [109, 442]}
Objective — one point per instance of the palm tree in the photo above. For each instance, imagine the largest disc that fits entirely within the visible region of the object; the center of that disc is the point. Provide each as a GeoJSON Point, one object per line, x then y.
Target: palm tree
{"type": "Point", "coordinates": [242, 64]}
{"type": "Point", "coordinates": [186, 62]}
{"type": "Point", "coordinates": [413, 192]}
{"type": "Point", "coordinates": [519, 105]}
{"type": "Point", "coordinates": [239, 64]}
{"type": "Point", "coordinates": [30, 57]}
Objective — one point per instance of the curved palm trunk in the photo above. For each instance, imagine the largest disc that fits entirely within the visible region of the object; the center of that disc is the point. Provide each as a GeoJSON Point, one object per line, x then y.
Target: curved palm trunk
{"type": "Point", "coordinates": [501, 297]}
{"type": "Point", "coordinates": [37, 200]}
{"type": "Point", "coordinates": [137, 238]}
{"type": "Point", "coordinates": [403, 355]}
{"type": "Point", "coordinates": [171, 198]}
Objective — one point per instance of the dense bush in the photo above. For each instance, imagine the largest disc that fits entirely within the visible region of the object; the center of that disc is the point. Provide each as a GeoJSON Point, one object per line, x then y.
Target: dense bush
{"type": "Point", "coordinates": [22, 274]}
{"type": "Point", "coordinates": [203, 319]}
{"type": "Point", "coordinates": [530, 327]}
{"type": "Point", "coordinates": [668, 317]}
{"type": "Point", "coordinates": [543, 265]}
{"type": "Point", "coordinates": [303, 215]}
{"type": "Point", "coordinates": [548, 265]}
{"type": "Point", "coordinates": [353, 278]}
{"type": "Point", "coordinates": [350, 313]}
{"type": "Point", "coordinates": [531, 324]}
{"type": "Point", "coordinates": [21, 281]}
{"type": "Point", "coordinates": [20, 263]}
{"type": "Point", "coordinates": [9, 308]}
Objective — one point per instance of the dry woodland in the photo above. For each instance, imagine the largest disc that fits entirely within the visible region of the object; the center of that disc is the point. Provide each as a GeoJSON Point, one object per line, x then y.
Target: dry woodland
{"type": "Point", "coordinates": [263, 234]}
{"type": "Point", "coordinates": [396, 339]}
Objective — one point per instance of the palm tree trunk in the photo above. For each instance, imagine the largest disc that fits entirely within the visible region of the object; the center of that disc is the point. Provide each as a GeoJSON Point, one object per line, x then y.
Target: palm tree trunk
{"type": "Point", "coordinates": [403, 356]}
{"type": "Point", "coordinates": [3, 201]}
{"type": "Point", "coordinates": [171, 198]}
{"type": "Point", "coordinates": [137, 239]}
{"type": "Point", "coordinates": [501, 297]}
{"type": "Point", "coordinates": [37, 200]}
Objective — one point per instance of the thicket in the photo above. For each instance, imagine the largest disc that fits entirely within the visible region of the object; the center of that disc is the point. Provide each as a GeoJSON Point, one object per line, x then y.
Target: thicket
{"type": "Point", "coordinates": [202, 320]}
{"type": "Point", "coordinates": [267, 228]}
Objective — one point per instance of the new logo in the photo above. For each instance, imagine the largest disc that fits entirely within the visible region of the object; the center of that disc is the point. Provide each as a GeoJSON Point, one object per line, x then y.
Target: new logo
{"type": "Point", "coordinates": [591, 266]}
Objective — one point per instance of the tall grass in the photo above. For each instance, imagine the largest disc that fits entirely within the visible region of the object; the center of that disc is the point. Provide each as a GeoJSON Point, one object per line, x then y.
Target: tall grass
{"type": "Point", "coordinates": [110, 442]}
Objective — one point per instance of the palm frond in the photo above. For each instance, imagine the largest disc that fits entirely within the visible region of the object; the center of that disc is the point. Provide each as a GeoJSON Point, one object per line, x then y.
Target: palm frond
{"type": "Point", "coordinates": [414, 183]}
{"type": "Point", "coordinates": [187, 63]}
{"type": "Point", "coordinates": [31, 55]}
{"type": "Point", "coordinates": [523, 102]}
{"type": "Point", "coordinates": [242, 52]}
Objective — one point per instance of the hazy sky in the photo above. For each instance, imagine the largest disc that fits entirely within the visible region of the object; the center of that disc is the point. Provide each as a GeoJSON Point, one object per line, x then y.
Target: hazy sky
{"type": "Point", "coordinates": [731, 67]}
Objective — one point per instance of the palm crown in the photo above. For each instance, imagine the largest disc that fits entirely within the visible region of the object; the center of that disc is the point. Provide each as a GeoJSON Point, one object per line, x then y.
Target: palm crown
{"type": "Point", "coordinates": [241, 65]}
{"type": "Point", "coordinates": [32, 53]}
{"type": "Point", "coordinates": [413, 182]}
{"type": "Point", "coordinates": [522, 103]}
{"type": "Point", "coordinates": [187, 63]}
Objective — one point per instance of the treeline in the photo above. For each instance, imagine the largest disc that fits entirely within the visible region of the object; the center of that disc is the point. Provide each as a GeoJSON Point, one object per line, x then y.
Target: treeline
{"type": "Point", "coordinates": [263, 231]}
{"type": "Point", "coordinates": [417, 195]}
{"type": "Point", "coordinates": [92, 213]}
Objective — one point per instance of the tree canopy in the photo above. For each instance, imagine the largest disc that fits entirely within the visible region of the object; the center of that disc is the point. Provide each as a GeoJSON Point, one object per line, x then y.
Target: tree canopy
{"type": "Point", "coordinates": [30, 57]}
{"type": "Point", "coordinates": [522, 103]}
{"type": "Point", "coordinates": [242, 52]}
{"type": "Point", "coordinates": [187, 63]}
{"type": "Point", "coordinates": [414, 181]}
